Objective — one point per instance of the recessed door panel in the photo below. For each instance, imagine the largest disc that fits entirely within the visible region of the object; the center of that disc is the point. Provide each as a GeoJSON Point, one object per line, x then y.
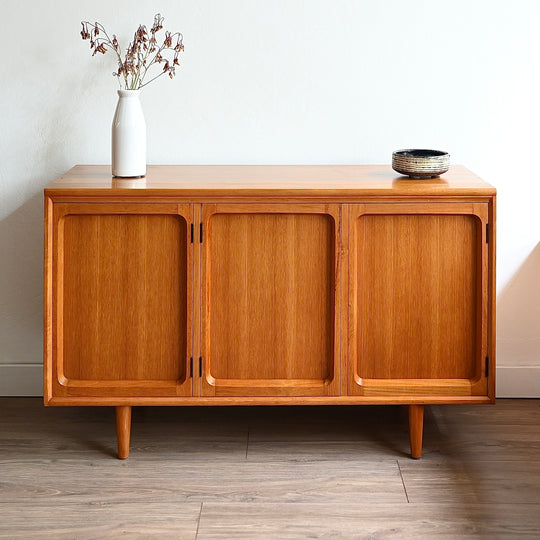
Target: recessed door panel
{"type": "Point", "coordinates": [270, 285]}
{"type": "Point", "coordinates": [124, 308]}
{"type": "Point", "coordinates": [418, 286]}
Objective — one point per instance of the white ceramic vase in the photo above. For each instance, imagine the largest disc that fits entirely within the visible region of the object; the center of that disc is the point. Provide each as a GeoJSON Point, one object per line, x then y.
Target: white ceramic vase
{"type": "Point", "coordinates": [128, 136]}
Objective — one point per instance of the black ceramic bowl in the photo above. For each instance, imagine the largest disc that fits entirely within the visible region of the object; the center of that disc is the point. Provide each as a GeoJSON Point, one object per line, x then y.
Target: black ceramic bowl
{"type": "Point", "coordinates": [421, 163]}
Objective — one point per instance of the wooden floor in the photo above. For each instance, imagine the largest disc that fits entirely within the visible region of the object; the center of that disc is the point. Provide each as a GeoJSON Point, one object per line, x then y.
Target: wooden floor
{"type": "Point", "coordinates": [270, 473]}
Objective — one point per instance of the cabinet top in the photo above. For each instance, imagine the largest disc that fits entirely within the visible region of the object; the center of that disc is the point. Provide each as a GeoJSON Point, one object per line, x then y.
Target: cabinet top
{"type": "Point", "coordinates": [278, 180]}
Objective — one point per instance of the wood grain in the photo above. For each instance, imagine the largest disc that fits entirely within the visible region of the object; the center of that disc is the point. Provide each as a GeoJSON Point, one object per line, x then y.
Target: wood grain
{"type": "Point", "coordinates": [416, 429]}
{"type": "Point", "coordinates": [448, 397]}
{"type": "Point", "coordinates": [271, 296]}
{"type": "Point", "coordinates": [454, 480]}
{"type": "Point", "coordinates": [416, 288]}
{"type": "Point", "coordinates": [479, 477]}
{"type": "Point", "coordinates": [48, 354]}
{"type": "Point", "coordinates": [124, 297]}
{"type": "Point", "coordinates": [357, 520]}
{"type": "Point", "coordinates": [419, 292]}
{"type": "Point", "coordinates": [123, 430]}
{"type": "Point", "coordinates": [92, 519]}
{"type": "Point", "coordinates": [124, 306]}
{"type": "Point", "coordinates": [271, 287]}
{"type": "Point", "coordinates": [314, 181]}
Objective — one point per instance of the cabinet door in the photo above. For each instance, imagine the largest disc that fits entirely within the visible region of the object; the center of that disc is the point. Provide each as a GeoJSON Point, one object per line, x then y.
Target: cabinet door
{"type": "Point", "coordinates": [418, 299]}
{"type": "Point", "coordinates": [121, 300]}
{"type": "Point", "coordinates": [270, 287]}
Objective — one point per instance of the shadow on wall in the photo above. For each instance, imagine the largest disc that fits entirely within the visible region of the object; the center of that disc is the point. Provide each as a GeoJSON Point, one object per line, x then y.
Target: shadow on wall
{"type": "Point", "coordinates": [21, 238]}
{"type": "Point", "coordinates": [518, 315]}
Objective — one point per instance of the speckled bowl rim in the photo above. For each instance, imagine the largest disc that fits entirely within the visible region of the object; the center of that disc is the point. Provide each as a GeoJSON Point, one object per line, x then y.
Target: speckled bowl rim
{"type": "Point", "coordinates": [438, 154]}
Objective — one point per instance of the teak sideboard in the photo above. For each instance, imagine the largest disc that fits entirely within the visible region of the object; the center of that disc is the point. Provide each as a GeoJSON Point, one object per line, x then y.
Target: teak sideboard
{"type": "Point", "coordinates": [269, 285]}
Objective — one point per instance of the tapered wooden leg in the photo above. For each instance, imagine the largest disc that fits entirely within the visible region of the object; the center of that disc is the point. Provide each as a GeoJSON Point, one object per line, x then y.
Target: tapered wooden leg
{"type": "Point", "coordinates": [416, 429]}
{"type": "Point", "coordinates": [123, 430]}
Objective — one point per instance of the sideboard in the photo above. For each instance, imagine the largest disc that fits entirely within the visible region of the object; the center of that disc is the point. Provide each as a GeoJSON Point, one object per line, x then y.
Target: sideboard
{"type": "Point", "coordinates": [269, 285]}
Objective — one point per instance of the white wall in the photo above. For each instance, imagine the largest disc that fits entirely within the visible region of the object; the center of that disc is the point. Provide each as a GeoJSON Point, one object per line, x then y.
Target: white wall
{"type": "Point", "coordinates": [278, 81]}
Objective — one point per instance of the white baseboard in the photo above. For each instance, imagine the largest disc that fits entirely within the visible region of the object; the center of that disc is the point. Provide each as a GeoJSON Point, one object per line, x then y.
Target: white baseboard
{"type": "Point", "coordinates": [21, 380]}
{"type": "Point", "coordinates": [518, 381]}
{"type": "Point", "coordinates": [27, 380]}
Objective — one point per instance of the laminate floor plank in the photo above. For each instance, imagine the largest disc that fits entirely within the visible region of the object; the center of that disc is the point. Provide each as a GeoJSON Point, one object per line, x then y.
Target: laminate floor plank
{"type": "Point", "coordinates": [352, 430]}
{"type": "Point", "coordinates": [456, 480]}
{"type": "Point", "coordinates": [496, 449]}
{"type": "Point", "coordinates": [349, 451]}
{"type": "Point", "coordinates": [359, 520]}
{"type": "Point", "coordinates": [311, 416]}
{"type": "Point", "coordinates": [485, 442]}
{"type": "Point", "coordinates": [191, 480]}
{"type": "Point", "coordinates": [100, 443]}
{"type": "Point", "coordinates": [270, 472]}
{"type": "Point", "coordinates": [91, 520]}
{"type": "Point", "coordinates": [503, 412]}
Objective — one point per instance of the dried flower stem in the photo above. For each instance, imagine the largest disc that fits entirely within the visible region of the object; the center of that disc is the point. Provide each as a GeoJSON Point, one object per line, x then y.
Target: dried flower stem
{"type": "Point", "coordinates": [139, 57]}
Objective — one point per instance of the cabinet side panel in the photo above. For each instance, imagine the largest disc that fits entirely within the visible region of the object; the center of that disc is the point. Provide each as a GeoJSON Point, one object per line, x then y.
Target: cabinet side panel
{"type": "Point", "coordinates": [125, 297]}
{"type": "Point", "coordinates": [416, 296]}
{"type": "Point", "coordinates": [272, 296]}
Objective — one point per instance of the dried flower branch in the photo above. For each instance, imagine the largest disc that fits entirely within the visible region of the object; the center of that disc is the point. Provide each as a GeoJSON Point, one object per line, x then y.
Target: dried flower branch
{"type": "Point", "coordinates": [141, 54]}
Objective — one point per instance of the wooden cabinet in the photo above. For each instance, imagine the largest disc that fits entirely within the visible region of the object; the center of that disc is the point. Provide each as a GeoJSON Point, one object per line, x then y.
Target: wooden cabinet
{"type": "Point", "coordinates": [269, 285]}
